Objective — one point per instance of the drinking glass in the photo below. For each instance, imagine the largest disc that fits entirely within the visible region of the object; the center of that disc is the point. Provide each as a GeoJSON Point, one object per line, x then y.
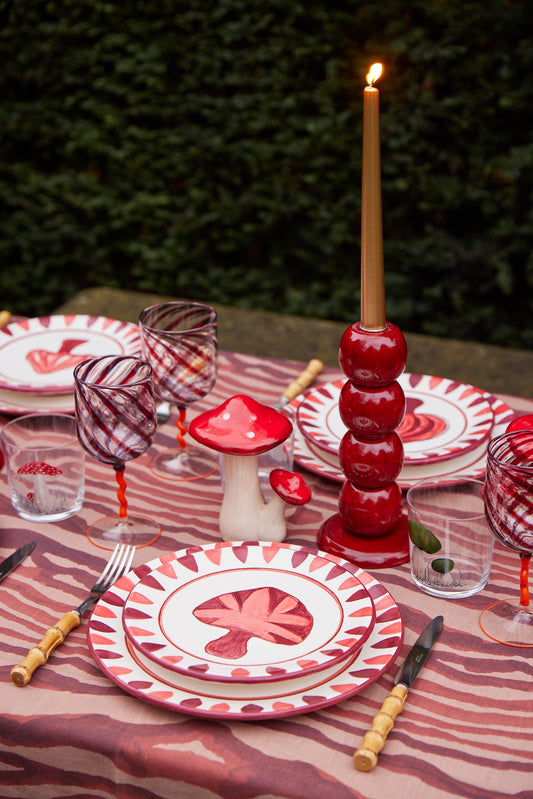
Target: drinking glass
{"type": "Point", "coordinates": [509, 510]}
{"type": "Point", "coordinates": [450, 541]}
{"type": "Point", "coordinates": [116, 422]}
{"type": "Point", "coordinates": [179, 340]}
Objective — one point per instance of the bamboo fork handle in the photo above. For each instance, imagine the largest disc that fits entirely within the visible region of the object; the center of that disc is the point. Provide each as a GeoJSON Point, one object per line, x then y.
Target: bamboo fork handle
{"type": "Point", "coordinates": [22, 674]}
{"type": "Point", "coordinates": [313, 368]}
{"type": "Point", "coordinates": [5, 318]}
{"type": "Point", "coordinates": [366, 757]}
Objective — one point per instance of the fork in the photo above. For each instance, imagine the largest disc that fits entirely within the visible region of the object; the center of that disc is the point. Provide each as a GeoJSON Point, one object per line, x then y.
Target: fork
{"type": "Point", "coordinates": [118, 564]}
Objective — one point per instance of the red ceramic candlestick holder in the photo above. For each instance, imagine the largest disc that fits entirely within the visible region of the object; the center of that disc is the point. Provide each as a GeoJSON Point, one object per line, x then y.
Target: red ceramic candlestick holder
{"type": "Point", "coordinates": [370, 528]}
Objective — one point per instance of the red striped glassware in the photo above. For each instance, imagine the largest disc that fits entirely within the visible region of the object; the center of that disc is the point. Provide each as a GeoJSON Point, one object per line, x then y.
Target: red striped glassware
{"type": "Point", "coordinates": [179, 340]}
{"type": "Point", "coordinates": [116, 422]}
{"type": "Point", "coordinates": [509, 511]}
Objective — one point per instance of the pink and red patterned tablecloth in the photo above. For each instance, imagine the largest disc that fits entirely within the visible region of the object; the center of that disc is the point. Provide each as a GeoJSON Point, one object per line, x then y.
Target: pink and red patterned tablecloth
{"type": "Point", "coordinates": [466, 730]}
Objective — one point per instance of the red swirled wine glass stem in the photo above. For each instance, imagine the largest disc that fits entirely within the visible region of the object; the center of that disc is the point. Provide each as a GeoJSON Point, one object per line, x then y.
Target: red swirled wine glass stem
{"type": "Point", "coordinates": [525, 558]}
{"type": "Point", "coordinates": [121, 492]}
{"type": "Point", "coordinates": [181, 428]}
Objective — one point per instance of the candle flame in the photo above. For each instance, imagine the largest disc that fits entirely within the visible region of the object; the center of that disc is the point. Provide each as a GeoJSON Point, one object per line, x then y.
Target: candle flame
{"type": "Point", "coordinates": [374, 73]}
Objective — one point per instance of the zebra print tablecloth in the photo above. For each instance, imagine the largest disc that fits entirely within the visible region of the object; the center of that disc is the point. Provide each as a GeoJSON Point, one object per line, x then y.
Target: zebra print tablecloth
{"type": "Point", "coordinates": [466, 730]}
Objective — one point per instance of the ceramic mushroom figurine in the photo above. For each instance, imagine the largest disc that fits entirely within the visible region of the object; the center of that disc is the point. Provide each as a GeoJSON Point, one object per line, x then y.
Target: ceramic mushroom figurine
{"type": "Point", "coordinates": [241, 429]}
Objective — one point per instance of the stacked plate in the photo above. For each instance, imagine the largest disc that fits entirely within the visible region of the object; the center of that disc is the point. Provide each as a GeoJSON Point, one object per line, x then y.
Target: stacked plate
{"type": "Point", "coordinates": [38, 356]}
{"type": "Point", "coordinates": [445, 432]}
{"type": "Point", "coordinates": [246, 630]}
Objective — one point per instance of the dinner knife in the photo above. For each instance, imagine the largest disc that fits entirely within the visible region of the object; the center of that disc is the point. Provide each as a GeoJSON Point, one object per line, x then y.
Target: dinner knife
{"type": "Point", "coordinates": [11, 562]}
{"type": "Point", "coordinates": [366, 757]}
{"type": "Point", "coordinates": [304, 379]}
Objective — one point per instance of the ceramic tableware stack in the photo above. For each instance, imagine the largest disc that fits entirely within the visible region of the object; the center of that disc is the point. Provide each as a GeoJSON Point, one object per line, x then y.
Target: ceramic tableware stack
{"type": "Point", "coordinates": [445, 432]}
{"type": "Point", "coordinates": [38, 355]}
{"type": "Point", "coordinates": [247, 630]}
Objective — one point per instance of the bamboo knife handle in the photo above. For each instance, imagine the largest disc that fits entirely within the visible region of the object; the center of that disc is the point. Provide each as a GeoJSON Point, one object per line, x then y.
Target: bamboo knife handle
{"type": "Point", "coordinates": [366, 757]}
{"type": "Point", "coordinates": [22, 674]}
{"type": "Point", "coordinates": [5, 318]}
{"type": "Point", "coordinates": [313, 368]}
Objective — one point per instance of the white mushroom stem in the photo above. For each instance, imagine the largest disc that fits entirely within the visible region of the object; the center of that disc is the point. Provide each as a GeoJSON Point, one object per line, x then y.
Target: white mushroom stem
{"type": "Point", "coordinates": [43, 500]}
{"type": "Point", "coordinates": [244, 515]}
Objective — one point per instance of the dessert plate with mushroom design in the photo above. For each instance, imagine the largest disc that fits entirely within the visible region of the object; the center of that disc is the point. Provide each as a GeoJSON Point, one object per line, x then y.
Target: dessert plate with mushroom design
{"type": "Point", "coordinates": [468, 463]}
{"type": "Point", "coordinates": [38, 355]}
{"type": "Point", "coordinates": [443, 418]}
{"type": "Point", "coordinates": [141, 677]}
{"type": "Point", "coordinates": [251, 612]}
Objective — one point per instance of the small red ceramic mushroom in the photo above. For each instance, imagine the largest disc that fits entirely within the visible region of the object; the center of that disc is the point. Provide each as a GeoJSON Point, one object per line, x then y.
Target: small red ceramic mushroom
{"type": "Point", "coordinates": [521, 444]}
{"type": "Point", "coordinates": [524, 422]}
{"type": "Point", "coordinates": [241, 429]}
{"type": "Point", "coordinates": [290, 487]}
{"type": "Point", "coordinates": [40, 474]}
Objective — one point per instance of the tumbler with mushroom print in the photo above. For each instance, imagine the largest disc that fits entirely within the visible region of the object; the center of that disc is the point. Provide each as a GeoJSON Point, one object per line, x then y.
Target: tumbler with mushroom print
{"type": "Point", "coordinates": [45, 466]}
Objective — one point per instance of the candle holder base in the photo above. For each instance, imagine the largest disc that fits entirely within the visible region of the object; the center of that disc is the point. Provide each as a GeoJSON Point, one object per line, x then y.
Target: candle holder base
{"type": "Point", "coordinates": [391, 549]}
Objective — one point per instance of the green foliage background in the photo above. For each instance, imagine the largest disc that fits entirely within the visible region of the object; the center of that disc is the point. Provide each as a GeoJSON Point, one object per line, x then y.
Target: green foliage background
{"type": "Point", "coordinates": [212, 149]}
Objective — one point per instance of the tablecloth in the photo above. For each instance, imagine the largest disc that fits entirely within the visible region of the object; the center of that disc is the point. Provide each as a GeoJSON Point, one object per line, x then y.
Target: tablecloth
{"type": "Point", "coordinates": [466, 729]}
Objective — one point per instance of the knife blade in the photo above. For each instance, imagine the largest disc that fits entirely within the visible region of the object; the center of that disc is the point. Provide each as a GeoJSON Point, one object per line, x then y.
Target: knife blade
{"type": "Point", "coordinates": [11, 562]}
{"type": "Point", "coordinates": [304, 379]}
{"type": "Point", "coordinates": [366, 757]}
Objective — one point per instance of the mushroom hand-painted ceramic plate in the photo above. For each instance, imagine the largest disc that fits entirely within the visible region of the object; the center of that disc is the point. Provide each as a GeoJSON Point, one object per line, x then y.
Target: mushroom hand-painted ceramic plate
{"type": "Point", "coordinates": [443, 418]}
{"type": "Point", "coordinates": [247, 613]}
{"type": "Point", "coordinates": [469, 464]}
{"type": "Point", "coordinates": [40, 354]}
{"type": "Point", "coordinates": [244, 701]}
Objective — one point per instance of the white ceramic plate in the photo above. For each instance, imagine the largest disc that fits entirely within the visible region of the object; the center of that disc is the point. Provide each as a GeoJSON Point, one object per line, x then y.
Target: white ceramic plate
{"type": "Point", "coordinates": [470, 464]}
{"type": "Point", "coordinates": [443, 418]}
{"type": "Point", "coordinates": [278, 614]}
{"type": "Point", "coordinates": [245, 701]}
{"type": "Point", "coordinates": [17, 403]}
{"type": "Point", "coordinates": [39, 354]}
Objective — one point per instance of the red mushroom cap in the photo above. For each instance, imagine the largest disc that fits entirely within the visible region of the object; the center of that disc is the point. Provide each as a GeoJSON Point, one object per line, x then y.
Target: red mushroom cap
{"type": "Point", "coordinates": [524, 422]}
{"type": "Point", "coordinates": [38, 467]}
{"type": "Point", "coordinates": [290, 486]}
{"type": "Point", "coordinates": [241, 426]}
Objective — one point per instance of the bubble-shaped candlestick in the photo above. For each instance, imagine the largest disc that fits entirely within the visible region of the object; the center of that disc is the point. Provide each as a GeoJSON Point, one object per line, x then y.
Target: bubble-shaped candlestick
{"type": "Point", "coordinates": [370, 528]}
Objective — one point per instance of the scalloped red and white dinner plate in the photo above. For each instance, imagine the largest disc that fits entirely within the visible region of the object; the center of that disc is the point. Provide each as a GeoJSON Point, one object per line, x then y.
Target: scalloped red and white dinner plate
{"type": "Point", "coordinates": [149, 681]}
{"type": "Point", "coordinates": [443, 418]}
{"type": "Point", "coordinates": [38, 355]}
{"type": "Point", "coordinates": [274, 614]}
{"type": "Point", "coordinates": [470, 463]}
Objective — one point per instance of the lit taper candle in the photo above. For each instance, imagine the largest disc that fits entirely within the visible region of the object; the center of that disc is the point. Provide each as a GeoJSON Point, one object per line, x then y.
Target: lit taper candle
{"type": "Point", "coordinates": [372, 271]}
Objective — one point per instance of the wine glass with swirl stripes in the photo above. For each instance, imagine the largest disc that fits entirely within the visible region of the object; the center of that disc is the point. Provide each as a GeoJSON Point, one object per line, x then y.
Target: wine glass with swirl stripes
{"type": "Point", "coordinates": [116, 422]}
{"type": "Point", "coordinates": [179, 340]}
{"type": "Point", "coordinates": [509, 511]}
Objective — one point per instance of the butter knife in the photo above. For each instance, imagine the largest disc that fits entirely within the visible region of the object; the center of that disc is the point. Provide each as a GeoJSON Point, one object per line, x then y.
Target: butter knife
{"type": "Point", "coordinates": [11, 562]}
{"type": "Point", "coordinates": [366, 757]}
{"type": "Point", "coordinates": [304, 379]}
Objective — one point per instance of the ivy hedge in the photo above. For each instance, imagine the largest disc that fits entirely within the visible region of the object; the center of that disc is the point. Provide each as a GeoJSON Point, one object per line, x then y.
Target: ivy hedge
{"type": "Point", "coordinates": [212, 149]}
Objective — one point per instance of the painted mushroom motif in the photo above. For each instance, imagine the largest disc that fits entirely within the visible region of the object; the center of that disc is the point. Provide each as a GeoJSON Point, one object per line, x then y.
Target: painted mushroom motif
{"type": "Point", "coordinates": [40, 474]}
{"type": "Point", "coordinates": [267, 613]}
{"type": "Point", "coordinates": [241, 429]}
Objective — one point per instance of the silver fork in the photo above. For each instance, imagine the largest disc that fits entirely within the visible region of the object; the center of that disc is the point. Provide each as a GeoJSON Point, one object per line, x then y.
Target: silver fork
{"type": "Point", "coordinates": [118, 564]}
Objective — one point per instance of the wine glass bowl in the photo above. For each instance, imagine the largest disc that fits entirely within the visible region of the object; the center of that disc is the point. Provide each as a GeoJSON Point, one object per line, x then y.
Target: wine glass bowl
{"type": "Point", "coordinates": [179, 340]}
{"type": "Point", "coordinates": [509, 512]}
{"type": "Point", "coordinates": [116, 422]}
